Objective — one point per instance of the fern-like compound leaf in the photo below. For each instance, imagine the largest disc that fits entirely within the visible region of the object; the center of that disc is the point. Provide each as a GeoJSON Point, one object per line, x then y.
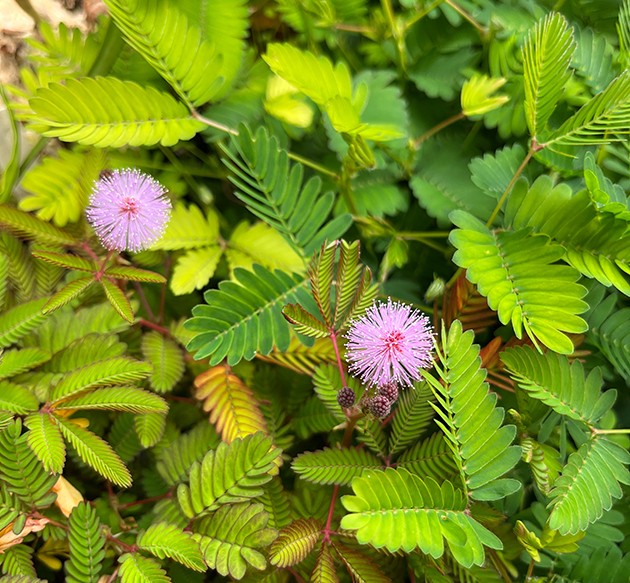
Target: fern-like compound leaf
{"type": "Point", "coordinates": [28, 226]}
{"type": "Point", "coordinates": [46, 441]}
{"type": "Point", "coordinates": [588, 485]}
{"type": "Point", "coordinates": [130, 273]}
{"type": "Point", "coordinates": [17, 399]}
{"type": "Point", "coordinates": [232, 538]}
{"type": "Point", "coordinates": [150, 428]}
{"type": "Point", "coordinates": [359, 565]}
{"type": "Point", "coordinates": [244, 316]}
{"type": "Point", "coordinates": [14, 362]}
{"type": "Point", "coordinates": [547, 55]}
{"type": "Point", "coordinates": [173, 46]}
{"type": "Point", "coordinates": [324, 571]}
{"type": "Point", "coordinates": [167, 540]}
{"type": "Point", "coordinates": [134, 568]}
{"type": "Point", "coordinates": [473, 424]}
{"type": "Point", "coordinates": [294, 542]}
{"type": "Point", "coordinates": [334, 466]}
{"type": "Point", "coordinates": [67, 293]}
{"type": "Point", "coordinates": [562, 386]}
{"type": "Point", "coordinates": [189, 229]}
{"type": "Point", "coordinates": [413, 416]}
{"type": "Point", "coordinates": [176, 460]}
{"type": "Point", "coordinates": [95, 452]}
{"type": "Point", "coordinates": [87, 545]}
{"type": "Point", "coordinates": [60, 186]}
{"type": "Point", "coordinates": [118, 299]}
{"type": "Point", "coordinates": [273, 190]}
{"type": "Point", "coordinates": [517, 272]}
{"type": "Point", "coordinates": [233, 408]}
{"type": "Point", "coordinates": [133, 116]}
{"type": "Point", "coordinates": [397, 510]}
{"type": "Point", "coordinates": [230, 474]}
{"type": "Point", "coordinates": [595, 243]}
{"type": "Point", "coordinates": [20, 470]}
{"type": "Point", "coordinates": [605, 118]}
{"type": "Point", "coordinates": [128, 399]}
{"type": "Point", "coordinates": [304, 322]}
{"type": "Point", "coordinates": [167, 360]}
{"type": "Point", "coordinates": [430, 458]}
{"type": "Point", "coordinates": [66, 260]}
{"type": "Point", "coordinates": [303, 359]}
{"type": "Point", "coordinates": [112, 371]}
{"type": "Point", "coordinates": [608, 331]}
{"type": "Point", "coordinates": [20, 321]}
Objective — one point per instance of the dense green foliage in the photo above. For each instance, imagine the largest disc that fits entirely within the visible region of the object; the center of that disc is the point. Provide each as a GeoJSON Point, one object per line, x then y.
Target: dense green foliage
{"type": "Point", "coordinates": [172, 415]}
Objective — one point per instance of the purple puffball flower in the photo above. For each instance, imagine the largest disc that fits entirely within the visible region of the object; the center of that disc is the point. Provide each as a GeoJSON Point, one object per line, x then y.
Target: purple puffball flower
{"type": "Point", "coordinates": [128, 210]}
{"type": "Point", "coordinates": [390, 343]}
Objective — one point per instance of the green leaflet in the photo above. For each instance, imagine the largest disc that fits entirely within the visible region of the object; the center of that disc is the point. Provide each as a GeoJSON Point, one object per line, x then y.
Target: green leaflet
{"type": "Point", "coordinates": [21, 320]}
{"type": "Point", "coordinates": [232, 473]}
{"type": "Point", "coordinates": [26, 225]}
{"type": "Point", "coordinates": [595, 243]}
{"type": "Point", "coordinates": [46, 441]}
{"type": "Point", "coordinates": [546, 57]}
{"type": "Point", "coordinates": [334, 466]}
{"type": "Point", "coordinates": [173, 46]}
{"type": "Point", "coordinates": [244, 317]}
{"type": "Point", "coordinates": [294, 542]}
{"type": "Point", "coordinates": [60, 186]}
{"type": "Point", "coordinates": [137, 116]}
{"type": "Point", "coordinates": [470, 420]}
{"type": "Point", "coordinates": [13, 362]}
{"type": "Point", "coordinates": [588, 484]}
{"type": "Point", "coordinates": [167, 360]}
{"type": "Point", "coordinates": [397, 510]}
{"type": "Point", "coordinates": [563, 387]}
{"type": "Point", "coordinates": [273, 190]}
{"type": "Point", "coordinates": [134, 568]}
{"type": "Point", "coordinates": [167, 540]}
{"type": "Point", "coordinates": [599, 120]}
{"type": "Point", "coordinates": [231, 539]}
{"type": "Point", "coordinates": [113, 371]}
{"type": "Point", "coordinates": [517, 272]}
{"type": "Point", "coordinates": [21, 471]}
{"type": "Point", "coordinates": [87, 545]}
{"type": "Point", "coordinates": [95, 452]}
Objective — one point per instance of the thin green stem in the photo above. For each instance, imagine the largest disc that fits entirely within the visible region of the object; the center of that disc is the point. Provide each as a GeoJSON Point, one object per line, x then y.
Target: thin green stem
{"type": "Point", "coordinates": [507, 191]}
{"type": "Point", "coordinates": [483, 31]}
{"type": "Point", "coordinates": [610, 431]}
{"type": "Point", "coordinates": [420, 235]}
{"type": "Point", "coordinates": [439, 127]}
{"type": "Point", "coordinates": [109, 51]}
{"type": "Point", "coordinates": [422, 13]}
{"type": "Point", "coordinates": [313, 165]}
{"type": "Point", "coordinates": [213, 124]}
{"type": "Point", "coordinates": [396, 33]}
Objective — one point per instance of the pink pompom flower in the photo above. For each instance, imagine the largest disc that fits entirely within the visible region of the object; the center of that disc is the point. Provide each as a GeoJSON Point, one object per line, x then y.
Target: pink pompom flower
{"type": "Point", "coordinates": [128, 210]}
{"type": "Point", "coordinates": [390, 343]}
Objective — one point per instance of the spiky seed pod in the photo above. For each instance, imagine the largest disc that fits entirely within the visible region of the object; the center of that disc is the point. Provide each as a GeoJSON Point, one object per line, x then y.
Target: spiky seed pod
{"type": "Point", "coordinates": [346, 397]}
{"type": "Point", "coordinates": [390, 392]}
{"type": "Point", "coordinates": [379, 406]}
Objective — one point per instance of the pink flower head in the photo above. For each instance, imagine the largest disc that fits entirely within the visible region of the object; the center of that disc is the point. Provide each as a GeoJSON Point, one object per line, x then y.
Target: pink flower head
{"type": "Point", "coordinates": [128, 210]}
{"type": "Point", "coordinates": [390, 343]}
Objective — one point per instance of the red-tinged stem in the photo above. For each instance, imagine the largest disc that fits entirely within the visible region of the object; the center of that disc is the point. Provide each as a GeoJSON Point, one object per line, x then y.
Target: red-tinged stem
{"type": "Point", "coordinates": [161, 329]}
{"type": "Point", "coordinates": [347, 437]}
{"type": "Point", "coordinates": [437, 128]}
{"type": "Point", "coordinates": [333, 337]}
{"type": "Point", "coordinates": [101, 271]}
{"type": "Point", "coordinates": [143, 300]}
{"type": "Point", "coordinates": [163, 291]}
{"type": "Point", "coordinates": [89, 251]}
{"type": "Point", "coordinates": [146, 501]}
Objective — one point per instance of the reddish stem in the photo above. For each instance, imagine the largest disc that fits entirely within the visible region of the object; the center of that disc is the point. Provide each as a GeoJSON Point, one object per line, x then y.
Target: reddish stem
{"type": "Point", "coordinates": [333, 337]}
{"type": "Point", "coordinates": [146, 501]}
{"type": "Point", "coordinates": [161, 329]}
{"type": "Point", "coordinates": [101, 271]}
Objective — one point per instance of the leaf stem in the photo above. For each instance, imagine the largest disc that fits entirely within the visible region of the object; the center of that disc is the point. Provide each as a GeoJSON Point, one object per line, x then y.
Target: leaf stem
{"type": "Point", "coordinates": [437, 128]}
{"type": "Point", "coordinates": [213, 124]}
{"type": "Point", "coordinates": [509, 187]}
{"type": "Point", "coordinates": [422, 13]}
{"type": "Point", "coordinates": [313, 165]}
{"type": "Point", "coordinates": [161, 329]}
{"type": "Point", "coordinates": [610, 431]}
{"type": "Point", "coordinates": [468, 17]}
{"type": "Point", "coordinates": [109, 51]}
{"type": "Point", "coordinates": [342, 374]}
